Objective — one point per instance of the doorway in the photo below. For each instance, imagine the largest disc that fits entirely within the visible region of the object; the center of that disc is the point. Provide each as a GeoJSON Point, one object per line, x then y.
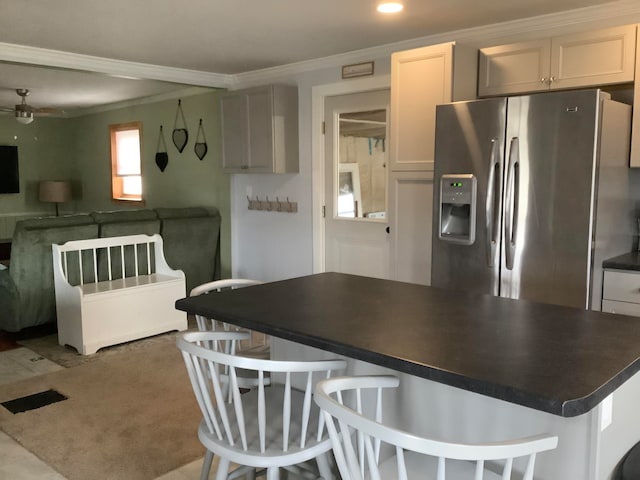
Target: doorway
{"type": "Point", "coordinates": [355, 183]}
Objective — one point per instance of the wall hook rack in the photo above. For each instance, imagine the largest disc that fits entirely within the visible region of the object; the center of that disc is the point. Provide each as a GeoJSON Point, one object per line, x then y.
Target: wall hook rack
{"type": "Point", "coordinates": [276, 205]}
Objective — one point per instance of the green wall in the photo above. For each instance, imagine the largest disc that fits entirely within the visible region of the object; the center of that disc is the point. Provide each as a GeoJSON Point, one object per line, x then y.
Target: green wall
{"type": "Point", "coordinates": [44, 153]}
{"type": "Point", "coordinates": [79, 149]}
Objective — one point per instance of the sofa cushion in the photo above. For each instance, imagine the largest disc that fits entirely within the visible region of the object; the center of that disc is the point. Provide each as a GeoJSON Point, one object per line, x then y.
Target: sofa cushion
{"type": "Point", "coordinates": [118, 224]}
{"type": "Point", "coordinates": [187, 212]}
{"type": "Point", "coordinates": [123, 216]}
{"type": "Point", "coordinates": [49, 222]}
{"type": "Point", "coordinates": [10, 301]}
{"type": "Point", "coordinates": [182, 237]}
{"type": "Point", "coordinates": [130, 222]}
{"type": "Point", "coordinates": [119, 229]}
{"type": "Point", "coordinates": [32, 268]}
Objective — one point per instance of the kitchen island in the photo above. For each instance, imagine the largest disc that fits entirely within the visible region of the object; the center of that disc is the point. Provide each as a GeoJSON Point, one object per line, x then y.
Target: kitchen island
{"type": "Point", "coordinates": [473, 367]}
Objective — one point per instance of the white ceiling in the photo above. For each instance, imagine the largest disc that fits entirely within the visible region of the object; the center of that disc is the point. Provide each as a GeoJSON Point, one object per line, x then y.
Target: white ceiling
{"type": "Point", "coordinates": [69, 90]}
{"type": "Point", "coordinates": [217, 36]}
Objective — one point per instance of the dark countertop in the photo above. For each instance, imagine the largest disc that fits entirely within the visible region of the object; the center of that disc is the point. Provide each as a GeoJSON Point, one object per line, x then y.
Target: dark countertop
{"type": "Point", "coordinates": [627, 261]}
{"type": "Point", "coordinates": [555, 359]}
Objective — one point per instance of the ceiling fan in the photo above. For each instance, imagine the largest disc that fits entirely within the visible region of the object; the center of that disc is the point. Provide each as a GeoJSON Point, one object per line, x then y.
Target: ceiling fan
{"type": "Point", "coordinates": [23, 111]}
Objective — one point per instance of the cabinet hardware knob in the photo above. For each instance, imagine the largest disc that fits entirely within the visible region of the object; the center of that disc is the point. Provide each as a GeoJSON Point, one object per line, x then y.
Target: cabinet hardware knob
{"type": "Point", "coordinates": [552, 79]}
{"type": "Point", "coordinates": [543, 80]}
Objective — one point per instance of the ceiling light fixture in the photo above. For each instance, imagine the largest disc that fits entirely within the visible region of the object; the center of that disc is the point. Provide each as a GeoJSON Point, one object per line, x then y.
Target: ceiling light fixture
{"type": "Point", "coordinates": [24, 117]}
{"type": "Point", "coordinates": [390, 7]}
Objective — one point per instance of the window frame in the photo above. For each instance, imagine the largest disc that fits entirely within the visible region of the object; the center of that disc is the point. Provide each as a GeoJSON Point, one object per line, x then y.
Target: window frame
{"type": "Point", "coordinates": [117, 193]}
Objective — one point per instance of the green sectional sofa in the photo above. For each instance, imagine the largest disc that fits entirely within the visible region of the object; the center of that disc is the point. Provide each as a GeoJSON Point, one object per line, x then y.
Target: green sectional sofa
{"type": "Point", "coordinates": [191, 243]}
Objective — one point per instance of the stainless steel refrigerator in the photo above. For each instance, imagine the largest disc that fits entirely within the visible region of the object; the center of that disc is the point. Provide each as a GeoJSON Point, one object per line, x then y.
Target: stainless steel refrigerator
{"type": "Point", "coordinates": [531, 193]}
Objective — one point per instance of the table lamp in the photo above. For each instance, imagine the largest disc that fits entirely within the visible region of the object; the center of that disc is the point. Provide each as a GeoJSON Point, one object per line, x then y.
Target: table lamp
{"type": "Point", "coordinates": [54, 191]}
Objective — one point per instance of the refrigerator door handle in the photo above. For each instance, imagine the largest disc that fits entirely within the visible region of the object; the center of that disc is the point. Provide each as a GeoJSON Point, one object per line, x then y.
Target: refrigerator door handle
{"type": "Point", "coordinates": [511, 203]}
{"type": "Point", "coordinates": [493, 204]}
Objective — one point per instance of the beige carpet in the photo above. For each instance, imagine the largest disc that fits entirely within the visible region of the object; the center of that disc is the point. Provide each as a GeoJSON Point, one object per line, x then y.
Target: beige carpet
{"type": "Point", "coordinates": [66, 356]}
{"type": "Point", "coordinates": [131, 414]}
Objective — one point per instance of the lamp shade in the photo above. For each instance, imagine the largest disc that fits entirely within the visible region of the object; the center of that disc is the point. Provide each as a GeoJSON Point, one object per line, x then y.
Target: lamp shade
{"type": "Point", "coordinates": [52, 191]}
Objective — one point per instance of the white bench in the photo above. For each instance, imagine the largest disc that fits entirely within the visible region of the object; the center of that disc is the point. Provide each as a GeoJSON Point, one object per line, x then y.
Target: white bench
{"type": "Point", "coordinates": [97, 305]}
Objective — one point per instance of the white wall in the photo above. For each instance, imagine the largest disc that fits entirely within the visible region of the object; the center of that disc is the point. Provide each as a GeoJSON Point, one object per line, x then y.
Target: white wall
{"type": "Point", "coordinates": [270, 245]}
{"type": "Point", "coordinates": [273, 246]}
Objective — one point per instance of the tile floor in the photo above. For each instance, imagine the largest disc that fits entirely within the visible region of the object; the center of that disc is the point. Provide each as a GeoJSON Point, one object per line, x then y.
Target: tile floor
{"type": "Point", "coordinates": [17, 463]}
{"type": "Point", "coordinates": [21, 363]}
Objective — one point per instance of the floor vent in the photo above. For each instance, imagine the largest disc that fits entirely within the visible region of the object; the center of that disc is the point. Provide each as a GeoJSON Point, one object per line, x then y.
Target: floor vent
{"type": "Point", "coordinates": [31, 402]}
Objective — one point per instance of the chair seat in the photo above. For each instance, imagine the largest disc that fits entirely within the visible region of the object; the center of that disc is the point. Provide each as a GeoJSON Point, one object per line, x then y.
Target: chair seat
{"type": "Point", "coordinates": [271, 425]}
{"type": "Point", "coordinates": [273, 445]}
{"type": "Point", "coordinates": [426, 467]}
{"type": "Point", "coordinates": [262, 352]}
{"type": "Point", "coordinates": [249, 378]}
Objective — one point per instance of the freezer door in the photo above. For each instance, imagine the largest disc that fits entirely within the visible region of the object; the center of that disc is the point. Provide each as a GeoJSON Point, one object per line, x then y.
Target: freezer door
{"type": "Point", "coordinates": [470, 140]}
{"type": "Point", "coordinates": [549, 195]}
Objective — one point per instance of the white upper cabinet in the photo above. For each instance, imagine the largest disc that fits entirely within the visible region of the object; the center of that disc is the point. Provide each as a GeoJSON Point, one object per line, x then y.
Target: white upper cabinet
{"type": "Point", "coordinates": [514, 68]}
{"type": "Point", "coordinates": [260, 130]}
{"type": "Point", "coordinates": [421, 79]}
{"type": "Point", "coordinates": [600, 57]}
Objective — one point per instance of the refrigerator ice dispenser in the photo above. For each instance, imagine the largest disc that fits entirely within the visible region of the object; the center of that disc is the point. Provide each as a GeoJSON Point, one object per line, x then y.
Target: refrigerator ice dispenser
{"type": "Point", "coordinates": [458, 208]}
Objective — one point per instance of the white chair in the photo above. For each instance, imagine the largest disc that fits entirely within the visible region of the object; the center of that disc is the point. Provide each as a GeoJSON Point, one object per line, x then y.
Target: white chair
{"type": "Point", "coordinates": [254, 348]}
{"type": "Point", "coordinates": [409, 456]}
{"type": "Point", "coordinates": [273, 427]}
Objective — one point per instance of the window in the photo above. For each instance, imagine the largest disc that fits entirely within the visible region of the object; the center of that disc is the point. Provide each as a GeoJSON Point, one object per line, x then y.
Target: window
{"type": "Point", "coordinates": [126, 167]}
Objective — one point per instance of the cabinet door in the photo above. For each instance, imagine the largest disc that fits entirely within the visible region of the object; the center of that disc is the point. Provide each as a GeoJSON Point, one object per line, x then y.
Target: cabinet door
{"type": "Point", "coordinates": [420, 79]}
{"type": "Point", "coordinates": [260, 115]}
{"type": "Point", "coordinates": [514, 68]}
{"type": "Point", "coordinates": [235, 149]}
{"type": "Point", "coordinates": [410, 214]}
{"type": "Point", "coordinates": [622, 308]}
{"type": "Point", "coordinates": [622, 286]}
{"type": "Point", "coordinates": [599, 57]}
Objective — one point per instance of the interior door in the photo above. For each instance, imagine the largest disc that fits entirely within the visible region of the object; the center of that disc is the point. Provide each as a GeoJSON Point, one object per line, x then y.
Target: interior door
{"type": "Point", "coordinates": [356, 164]}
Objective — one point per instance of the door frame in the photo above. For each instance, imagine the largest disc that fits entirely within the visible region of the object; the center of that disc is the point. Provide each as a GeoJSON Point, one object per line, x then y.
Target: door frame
{"type": "Point", "coordinates": [318, 95]}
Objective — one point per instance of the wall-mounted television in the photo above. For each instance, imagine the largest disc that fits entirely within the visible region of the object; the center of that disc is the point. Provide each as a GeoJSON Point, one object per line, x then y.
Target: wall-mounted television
{"type": "Point", "coordinates": [9, 178]}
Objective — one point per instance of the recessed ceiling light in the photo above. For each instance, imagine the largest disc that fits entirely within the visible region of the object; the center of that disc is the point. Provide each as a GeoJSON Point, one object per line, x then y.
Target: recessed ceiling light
{"type": "Point", "coordinates": [390, 7]}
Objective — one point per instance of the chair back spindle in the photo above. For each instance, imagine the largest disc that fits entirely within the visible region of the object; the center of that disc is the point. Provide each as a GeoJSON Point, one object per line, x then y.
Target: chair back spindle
{"type": "Point", "coordinates": [209, 324]}
{"type": "Point", "coordinates": [95, 263]}
{"type": "Point", "coordinates": [272, 420]}
{"type": "Point", "coordinates": [413, 455]}
{"type": "Point", "coordinates": [111, 259]}
{"type": "Point", "coordinates": [80, 267]}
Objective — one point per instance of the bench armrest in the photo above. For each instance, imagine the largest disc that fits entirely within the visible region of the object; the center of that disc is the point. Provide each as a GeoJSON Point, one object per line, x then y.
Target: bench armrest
{"type": "Point", "coordinates": [9, 301]}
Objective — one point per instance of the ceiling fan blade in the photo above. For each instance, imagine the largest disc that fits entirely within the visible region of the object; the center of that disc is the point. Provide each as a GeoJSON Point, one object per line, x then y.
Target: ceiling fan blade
{"type": "Point", "coordinates": [7, 109]}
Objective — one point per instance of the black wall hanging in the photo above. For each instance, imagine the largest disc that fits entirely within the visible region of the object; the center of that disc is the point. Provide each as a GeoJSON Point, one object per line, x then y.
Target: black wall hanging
{"type": "Point", "coordinates": [200, 147]}
{"type": "Point", "coordinates": [180, 135]}
{"type": "Point", "coordinates": [162, 158]}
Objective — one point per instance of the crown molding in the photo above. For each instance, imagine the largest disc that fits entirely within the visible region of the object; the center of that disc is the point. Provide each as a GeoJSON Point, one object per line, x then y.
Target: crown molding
{"type": "Point", "coordinates": [119, 68]}
{"type": "Point", "coordinates": [618, 12]}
